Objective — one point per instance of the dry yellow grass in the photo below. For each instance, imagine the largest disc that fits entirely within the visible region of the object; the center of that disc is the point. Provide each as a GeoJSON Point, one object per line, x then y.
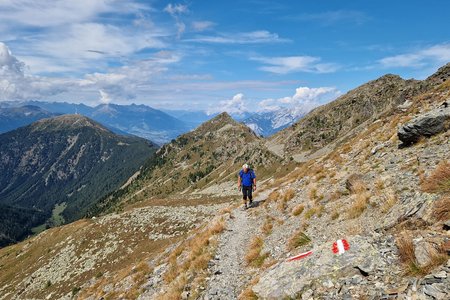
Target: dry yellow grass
{"type": "Point", "coordinates": [288, 194]}
{"type": "Point", "coordinates": [361, 200]}
{"type": "Point", "coordinates": [335, 195]}
{"type": "Point", "coordinates": [355, 185]}
{"type": "Point", "coordinates": [282, 205]}
{"type": "Point", "coordinates": [247, 293]}
{"type": "Point", "coordinates": [407, 256]}
{"type": "Point", "coordinates": [379, 184]}
{"type": "Point", "coordinates": [191, 270]}
{"type": "Point", "coordinates": [310, 212]}
{"type": "Point", "coordinates": [298, 239]}
{"type": "Point", "coordinates": [298, 210]}
{"type": "Point", "coordinates": [267, 227]}
{"type": "Point", "coordinates": [274, 196]}
{"type": "Point", "coordinates": [254, 256]}
{"type": "Point", "coordinates": [439, 179]}
{"type": "Point", "coordinates": [441, 209]}
{"type": "Point", "coordinates": [312, 193]}
{"type": "Point", "coordinates": [335, 215]}
{"type": "Point", "coordinates": [406, 252]}
{"type": "Point", "coordinates": [390, 198]}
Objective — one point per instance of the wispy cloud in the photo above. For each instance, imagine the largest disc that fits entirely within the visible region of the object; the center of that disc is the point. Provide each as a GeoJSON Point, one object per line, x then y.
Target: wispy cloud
{"type": "Point", "coordinates": [432, 55]}
{"type": "Point", "coordinates": [50, 13]}
{"type": "Point", "coordinates": [252, 37]}
{"type": "Point", "coordinates": [332, 17]}
{"type": "Point", "coordinates": [176, 10]}
{"type": "Point", "coordinates": [202, 25]}
{"type": "Point", "coordinates": [291, 64]}
{"type": "Point", "coordinates": [119, 84]}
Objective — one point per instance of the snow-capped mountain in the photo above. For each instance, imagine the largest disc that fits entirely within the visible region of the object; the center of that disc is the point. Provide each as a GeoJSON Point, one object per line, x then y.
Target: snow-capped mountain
{"type": "Point", "coordinates": [268, 123]}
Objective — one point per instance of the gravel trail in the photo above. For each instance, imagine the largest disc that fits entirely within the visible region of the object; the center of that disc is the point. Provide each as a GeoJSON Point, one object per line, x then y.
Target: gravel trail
{"type": "Point", "coordinates": [228, 273]}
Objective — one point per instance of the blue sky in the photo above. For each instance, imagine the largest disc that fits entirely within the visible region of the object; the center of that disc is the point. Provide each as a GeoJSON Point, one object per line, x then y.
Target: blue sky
{"type": "Point", "coordinates": [214, 55]}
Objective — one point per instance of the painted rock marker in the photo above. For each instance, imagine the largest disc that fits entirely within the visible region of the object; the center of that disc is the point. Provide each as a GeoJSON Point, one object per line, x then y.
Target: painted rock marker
{"type": "Point", "coordinates": [300, 256]}
{"type": "Point", "coordinates": [340, 246]}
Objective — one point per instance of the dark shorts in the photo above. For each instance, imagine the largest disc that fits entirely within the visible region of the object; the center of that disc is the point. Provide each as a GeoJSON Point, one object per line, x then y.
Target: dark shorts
{"type": "Point", "coordinates": [247, 192]}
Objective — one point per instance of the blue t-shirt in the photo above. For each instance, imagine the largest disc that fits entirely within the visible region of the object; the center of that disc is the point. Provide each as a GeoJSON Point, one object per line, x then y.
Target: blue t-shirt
{"type": "Point", "coordinates": [247, 178]}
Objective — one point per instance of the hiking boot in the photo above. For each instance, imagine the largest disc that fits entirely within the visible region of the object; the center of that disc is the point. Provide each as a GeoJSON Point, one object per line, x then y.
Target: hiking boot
{"type": "Point", "coordinates": [251, 201]}
{"type": "Point", "coordinates": [245, 206]}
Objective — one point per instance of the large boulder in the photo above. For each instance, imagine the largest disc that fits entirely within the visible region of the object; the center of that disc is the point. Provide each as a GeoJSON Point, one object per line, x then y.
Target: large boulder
{"type": "Point", "coordinates": [426, 125]}
{"type": "Point", "coordinates": [323, 267]}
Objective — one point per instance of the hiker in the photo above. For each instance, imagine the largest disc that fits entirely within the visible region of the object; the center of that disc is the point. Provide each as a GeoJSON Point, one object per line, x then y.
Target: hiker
{"type": "Point", "coordinates": [247, 183]}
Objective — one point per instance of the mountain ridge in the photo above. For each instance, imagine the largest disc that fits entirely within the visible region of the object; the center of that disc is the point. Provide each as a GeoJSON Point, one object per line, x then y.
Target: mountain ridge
{"type": "Point", "coordinates": [68, 162]}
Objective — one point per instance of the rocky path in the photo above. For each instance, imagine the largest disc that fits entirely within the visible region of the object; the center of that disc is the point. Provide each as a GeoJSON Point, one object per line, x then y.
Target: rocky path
{"type": "Point", "coordinates": [228, 274]}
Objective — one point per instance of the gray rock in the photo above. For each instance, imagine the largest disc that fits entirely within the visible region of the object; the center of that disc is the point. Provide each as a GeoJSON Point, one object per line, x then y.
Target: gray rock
{"type": "Point", "coordinates": [404, 107]}
{"type": "Point", "coordinates": [441, 274]}
{"type": "Point", "coordinates": [422, 252]}
{"type": "Point", "coordinates": [437, 291]}
{"type": "Point", "coordinates": [288, 279]}
{"type": "Point", "coordinates": [425, 125]}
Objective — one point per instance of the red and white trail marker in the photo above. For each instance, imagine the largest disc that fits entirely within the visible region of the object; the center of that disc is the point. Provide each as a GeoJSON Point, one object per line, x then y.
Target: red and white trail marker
{"type": "Point", "coordinates": [340, 246]}
{"type": "Point", "coordinates": [299, 256]}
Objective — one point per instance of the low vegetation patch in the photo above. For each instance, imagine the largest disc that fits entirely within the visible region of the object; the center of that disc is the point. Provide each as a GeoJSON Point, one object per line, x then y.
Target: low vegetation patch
{"type": "Point", "coordinates": [298, 210]}
{"type": "Point", "coordinates": [255, 257]}
{"type": "Point", "coordinates": [316, 210]}
{"type": "Point", "coordinates": [335, 215]}
{"type": "Point", "coordinates": [406, 252]}
{"type": "Point", "coordinates": [390, 198]}
{"type": "Point", "coordinates": [359, 205]}
{"type": "Point", "coordinates": [267, 227]}
{"type": "Point", "coordinates": [288, 194]}
{"type": "Point", "coordinates": [192, 269]}
{"type": "Point", "coordinates": [273, 196]}
{"type": "Point", "coordinates": [439, 180]}
{"type": "Point", "coordinates": [298, 239]}
{"type": "Point", "coordinates": [441, 209]}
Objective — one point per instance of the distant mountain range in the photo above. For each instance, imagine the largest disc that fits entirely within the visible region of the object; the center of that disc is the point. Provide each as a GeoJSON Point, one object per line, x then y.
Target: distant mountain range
{"type": "Point", "coordinates": [14, 117]}
{"type": "Point", "coordinates": [155, 125]}
{"type": "Point", "coordinates": [53, 170]}
{"type": "Point", "coordinates": [139, 120]}
{"type": "Point", "coordinates": [268, 123]}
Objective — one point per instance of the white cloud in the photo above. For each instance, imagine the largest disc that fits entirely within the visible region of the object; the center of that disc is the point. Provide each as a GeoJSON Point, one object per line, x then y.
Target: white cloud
{"type": "Point", "coordinates": [202, 25]}
{"type": "Point", "coordinates": [84, 47]}
{"type": "Point", "coordinates": [120, 84]}
{"type": "Point", "coordinates": [252, 37]}
{"type": "Point", "coordinates": [104, 97]}
{"type": "Point", "coordinates": [50, 13]}
{"type": "Point", "coordinates": [176, 9]}
{"type": "Point", "coordinates": [74, 36]}
{"type": "Point", "coordinates": [235, 105]}
{"type": "Point", "coordinates": [304, 99]}
{"type": "Point", "coordinates": [290, 64]}
{"type": "Point", "coordinates": [433, 55]}
{"type": "Point", "coordinates": [10, 66]}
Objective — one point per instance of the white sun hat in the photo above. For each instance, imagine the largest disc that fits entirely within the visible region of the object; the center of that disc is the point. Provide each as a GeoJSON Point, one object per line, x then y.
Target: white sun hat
{"type": "Point", "coordinates": [245, 166]}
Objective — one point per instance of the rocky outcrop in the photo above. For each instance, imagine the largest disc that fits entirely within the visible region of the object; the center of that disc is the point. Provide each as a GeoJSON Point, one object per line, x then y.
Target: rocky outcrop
{"type": "Point", "coordinates": [324, 270]}
{"type": "Point", "coordinates": [426, 125]}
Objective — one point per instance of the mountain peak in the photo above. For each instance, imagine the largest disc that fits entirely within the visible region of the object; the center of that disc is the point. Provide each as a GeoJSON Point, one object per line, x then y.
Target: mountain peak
{"type": "Point", "coordinates": [441, 75]}
{"type": "Point", "coordinates": [217, 122]}
{"type": "Point", "coordinates": [223, 117]}
{"type": "Point", "coordinates": [70, 121]}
